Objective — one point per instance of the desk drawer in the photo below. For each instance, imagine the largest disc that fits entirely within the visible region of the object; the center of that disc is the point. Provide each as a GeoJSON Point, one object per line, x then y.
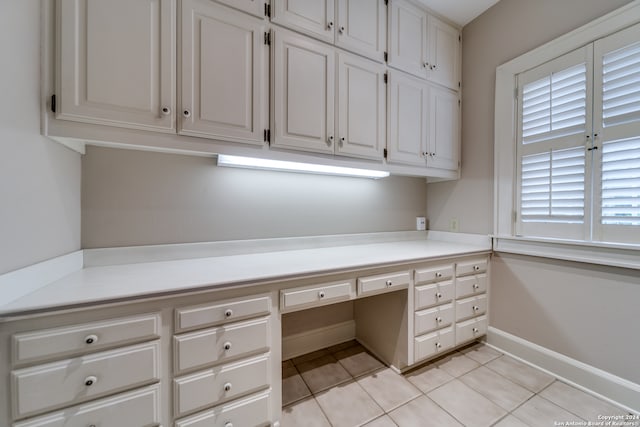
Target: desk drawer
{"type": "Point", "coordinates": [215, 345]}
{"type": "Point", "coordinates": [136, 408]}
{"type": "Point", "coordinates": [431, 344]}
{"type": "Point", "coordinates": [71, 381]}
{"type": "Point", "coordinates": [252, 411]}
{"type": "Point", "coordinates": [433, 318]}
{"type": "Point", "coordinates": [78, 339]}
{"type": "Point", "coordinates": [383, 282]}
{"type": "Point", "coordinates": [316, 295]}
{"type": "Point", "coordinates": [471, 285]}
{"type": "Point", "coordinates": [471, 267]}
{"type": "Point", "coordinates": [434, 274]}
{"type": "Point", "coordinates": [471, 307]}
{"type": "Point", "coordinates": [201, 316]}
{"type": "Point", "coordinates": [434, 294]}
{"type": "Point", "coordinates": [207, 388]}
{"type": "Point", "coordinates": [471, 329]}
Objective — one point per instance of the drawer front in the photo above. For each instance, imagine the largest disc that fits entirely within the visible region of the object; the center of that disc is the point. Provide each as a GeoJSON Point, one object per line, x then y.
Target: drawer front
{"type": "Point", "coordinates": [434, 274]}
{"type": "Point", "coordinates": [471, 267]}
{"type": "Point", "coordinates": [78, 339]}
{"type": "Point", "coordinates": [471, 285]}
{"type": "Point", "coordinates": [137, 408]}
{"type": "Point", "coordinates": [215, 345]}
{"type": "Point", "coordinates": [471, 329]}
{"type": "Point", "coordinates": [433, 318]}
{"type": "Point", "coordinates": [434, 343]}
{"type": "Point", "coordinates": [434, 294]}
{"type": "Point", "coordinates": [210, 387]}
{"type": "Point", "coordinates": [70, 381]}
{"type": "Point", "coordinates": [471, 307]}
{"type": "Point", "coordinates": [206, 315]}
{"type": "Point", "coordinates": [316, 295]}
{"type": "Point", "coordinates": [376, 284]}
{"type": "Point", "coordinates": [252, 411]}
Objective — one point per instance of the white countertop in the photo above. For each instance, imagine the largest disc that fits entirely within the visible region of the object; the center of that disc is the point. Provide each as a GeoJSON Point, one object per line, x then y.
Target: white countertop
{"type": "Point", "coordinates": [106, 283]}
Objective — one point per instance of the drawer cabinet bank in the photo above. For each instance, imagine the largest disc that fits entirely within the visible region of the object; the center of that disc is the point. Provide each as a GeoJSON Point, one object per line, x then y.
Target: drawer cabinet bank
{"type": "Point", "coordinates": [211, 355]}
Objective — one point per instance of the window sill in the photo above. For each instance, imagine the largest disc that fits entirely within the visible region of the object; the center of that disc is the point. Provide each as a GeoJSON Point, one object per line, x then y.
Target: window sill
{"type": "Point", "coordinates": [615, 255]}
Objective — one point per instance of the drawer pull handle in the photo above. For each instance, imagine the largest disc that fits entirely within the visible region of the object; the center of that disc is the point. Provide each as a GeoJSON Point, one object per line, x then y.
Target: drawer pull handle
{"type": "Point", "coordinates": [227, 387]}
{"type": "Point", "coordinates": [228, 313]}
{"type": "Point", "coordinates": [438, 274]}
{"type": "Point", "coordinates": [438, 295]}
{"type": "Point", "coordinates": [476, 267]}
{"type": "Point", "coordinates": [475, 330]}
{"type": "Point", "coordinates": [476, 308]}
{"type": "Point", "coordinates": [476, 286]}
{"type": "Point", "coordinates": [91, 380]}
{"type": "Point", "coordinates": [389, 283]}
{"type": "Point", "coordinates": [228, 424]}
{"type": "Point", "coordinates": [321, 294]}
{"type": "Point", "coordinates": [91, 339]}
{"type": "Point", "coordinates": [439, 319]}
{"type": "Point", "coordinates": [227, 346]}
{"type": "Point", "coordinates": [438, 345]}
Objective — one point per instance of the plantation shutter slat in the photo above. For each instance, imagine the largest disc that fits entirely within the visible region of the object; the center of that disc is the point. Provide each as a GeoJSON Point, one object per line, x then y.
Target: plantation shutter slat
{"type": "Point", "coordinates": [620, 198]}
{"type": "Point", "coordinates": [621, 86]}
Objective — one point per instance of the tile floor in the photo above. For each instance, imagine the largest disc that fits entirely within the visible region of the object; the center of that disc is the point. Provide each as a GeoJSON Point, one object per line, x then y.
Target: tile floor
{"type": "Point", "coordinates": [345, 386]}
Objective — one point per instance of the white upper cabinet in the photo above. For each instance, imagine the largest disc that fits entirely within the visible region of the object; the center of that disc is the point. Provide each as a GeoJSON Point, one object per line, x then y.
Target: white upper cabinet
{"type": "Point", "coordinates": [408, 38]}
{"type": "Point", "coordinates": [303, 93]}
{"type": "Point", "coordinates": [313, 17]}
{"type": "Point", "coordinates": [254, 7]}
{"type": "Point", "coordinates": [362, 27]}
{"type": "Point", "coordinates": [423, 45]}
{"type": "Point", "coordinates": [444, 54]}
{"type": "Point", "coordinates": [117, 63]}
{"type": "Point", "coordinates": [361, 118]}
{"type": "Point", "coordinates": [224, 83]}
{"type": "Point", "coordinates": [444, 129]}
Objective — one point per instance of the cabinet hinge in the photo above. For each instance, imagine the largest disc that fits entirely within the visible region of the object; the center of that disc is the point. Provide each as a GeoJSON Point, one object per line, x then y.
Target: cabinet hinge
{"type": "Point", "coordinates": [459, 103]}
{"type": "Point", "coordinates": [386, 2]}
{"type": "Point", "coordinates": [53, 103]}
{"type": "Point", "coordinates": [386, 78]}
{"type": "Point", "coordinates": [267, 10]}
{"type": "Point", "coordinates": [384, 153]}
{"type": "Point", "coordinates": [459, 85]}
{"type": "Point", "coordinates": [459, 38]}
{"type": "Point", "coordinates": [267, 38]}
{"type": "Point", "coordinates": [267, 135]}
{"type": "Point", "coordinates": [386, 57]}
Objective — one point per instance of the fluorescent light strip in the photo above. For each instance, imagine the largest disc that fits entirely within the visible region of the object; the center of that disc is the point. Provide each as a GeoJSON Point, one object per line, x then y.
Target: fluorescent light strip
{"type": "Point", "coordinates": [280, 165]}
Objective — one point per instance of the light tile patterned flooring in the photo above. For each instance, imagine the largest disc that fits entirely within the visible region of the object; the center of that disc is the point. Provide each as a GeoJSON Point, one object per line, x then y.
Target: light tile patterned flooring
{"type": "Point", "coordinates": [345, 386]}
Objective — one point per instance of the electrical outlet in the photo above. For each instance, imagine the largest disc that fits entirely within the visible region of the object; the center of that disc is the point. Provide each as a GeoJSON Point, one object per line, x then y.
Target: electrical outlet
{"type": "Point", "coordinates": [454, 225]}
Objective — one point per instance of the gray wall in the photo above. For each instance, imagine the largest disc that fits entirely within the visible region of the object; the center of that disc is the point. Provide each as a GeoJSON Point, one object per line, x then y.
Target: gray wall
{"type": "Point", "coordinates": [579, 310]}
{"type": "Point", "coordinates": [39, 179]}
{"type": "Point", "coordinates": [139, 198]}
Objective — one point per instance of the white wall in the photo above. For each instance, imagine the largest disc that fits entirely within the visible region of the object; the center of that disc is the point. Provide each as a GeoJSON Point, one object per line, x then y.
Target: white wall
{"type": "Point", "coordinates": [39, 179]}
{"type": "Point", "coordinates": [580, 310]}
{"type": "Point", "coordinates": [138, 198]}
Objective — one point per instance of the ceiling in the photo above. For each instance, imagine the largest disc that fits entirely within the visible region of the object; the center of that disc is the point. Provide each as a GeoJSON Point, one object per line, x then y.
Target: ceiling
{"type": "Point", "coordinates": [459, 11]}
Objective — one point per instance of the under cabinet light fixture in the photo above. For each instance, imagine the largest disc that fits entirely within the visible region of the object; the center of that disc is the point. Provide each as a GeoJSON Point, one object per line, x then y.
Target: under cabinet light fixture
{"type": "Point", "coordinates": [286, 166]}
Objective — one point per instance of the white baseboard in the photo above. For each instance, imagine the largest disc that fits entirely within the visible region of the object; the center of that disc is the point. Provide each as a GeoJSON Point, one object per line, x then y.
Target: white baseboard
{"type": "Point", "coordinates": [306, 342]}
{"type": "Point", "coordinates": [590, 379]}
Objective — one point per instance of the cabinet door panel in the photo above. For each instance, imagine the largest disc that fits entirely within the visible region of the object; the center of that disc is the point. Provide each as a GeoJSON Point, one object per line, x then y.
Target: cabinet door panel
{"type": "Point", "coordinates": [408, 38]}
{"type": "Point", "coordinates": [444, 53]}
{"type": "Point", "coordinates": [303, 93]}
{"type": "Point", "coordinates": [361, 108]}
{"type": "Point", "coordinates": [223, 73]}
{"type": "Point", "coordinates": [362, 27]}
{"type": "Point", "coordinates": [444, 126]}
{"type": "Point", "coordinates": [408, 132]}
{"type": "Point", "coordinates": [312, 17]}
{"type": "Point", "coordinates": [117, 68]}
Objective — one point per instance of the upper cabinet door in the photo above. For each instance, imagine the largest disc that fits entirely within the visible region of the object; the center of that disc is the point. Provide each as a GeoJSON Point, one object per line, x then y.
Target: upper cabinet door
{"type": "Point", "coordinates": [303, 93]}
{"type": "Point", "coordinates": [224, 84]}
{"type": "Point", "coordinates": [254, 7]}
{"type": "Point", "coordinates": [362, 27]}
{"type": "Point", "coordinates": [361, 107]}
{"type": "Point", "coordinates": [408, 38]}
{"type": "Point", "coordinates": [116, 63]}
{"type": "Point", "coordinates": [313, 17]}
{"type": "Point", "coordinates": [444, 129]}
{"type": "Point", "coordinates": [408, 116]}
{"type": "Point", "coordinates": [444, 54]}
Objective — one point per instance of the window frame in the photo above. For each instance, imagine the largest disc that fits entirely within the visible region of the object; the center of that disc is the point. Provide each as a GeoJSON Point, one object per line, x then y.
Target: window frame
{"type": "Point", "coordinates": [505, 146]}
